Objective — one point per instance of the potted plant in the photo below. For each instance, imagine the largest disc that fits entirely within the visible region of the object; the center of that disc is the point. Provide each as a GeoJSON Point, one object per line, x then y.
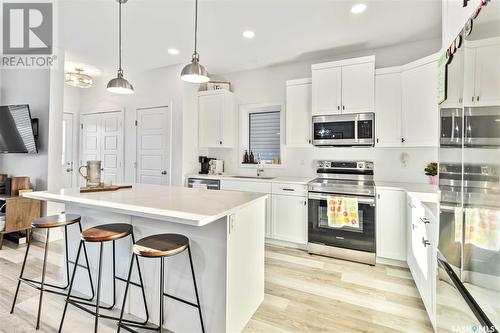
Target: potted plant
{"type": "Point", "coordinates": [431, 170]}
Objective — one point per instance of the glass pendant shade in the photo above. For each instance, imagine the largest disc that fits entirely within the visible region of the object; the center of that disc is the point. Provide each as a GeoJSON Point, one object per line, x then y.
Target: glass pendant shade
{"type": "Point", "coordinates": [78, 79]}
{"type": "Point", "coordinates": [194, 72]}
{"type": "Point", "coordinates": [120, 85]}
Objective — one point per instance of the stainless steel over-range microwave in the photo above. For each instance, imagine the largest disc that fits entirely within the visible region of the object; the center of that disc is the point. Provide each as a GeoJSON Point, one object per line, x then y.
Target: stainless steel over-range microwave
{"type": "Point", "coordinates": [344, 130]}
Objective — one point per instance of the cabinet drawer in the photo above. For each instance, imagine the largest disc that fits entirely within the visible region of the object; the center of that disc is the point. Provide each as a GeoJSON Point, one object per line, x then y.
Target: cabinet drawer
{"type": "Point", "coordinates": [289, 189]}
{"type": "Point", "coordinates": [245, 186]}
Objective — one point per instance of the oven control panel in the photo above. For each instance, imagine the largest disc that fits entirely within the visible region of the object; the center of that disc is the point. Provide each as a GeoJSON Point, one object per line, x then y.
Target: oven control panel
{"type": "Point", "coordinates": [361, 165]}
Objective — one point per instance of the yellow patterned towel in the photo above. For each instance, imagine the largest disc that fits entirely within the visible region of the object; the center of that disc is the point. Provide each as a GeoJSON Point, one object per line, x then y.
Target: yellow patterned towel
{"type": "Point", "coordinates": [342, 211]}
{"type": "Point", "coordinates": [481, 227]}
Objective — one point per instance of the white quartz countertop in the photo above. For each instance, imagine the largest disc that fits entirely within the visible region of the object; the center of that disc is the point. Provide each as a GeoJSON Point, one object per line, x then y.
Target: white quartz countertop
{"type": "Point", "coordinates": [423, 192]}
{"type": "Point", "coordinates": [196, 207]}
{"type": "Point", "coordinates": [290, 180]}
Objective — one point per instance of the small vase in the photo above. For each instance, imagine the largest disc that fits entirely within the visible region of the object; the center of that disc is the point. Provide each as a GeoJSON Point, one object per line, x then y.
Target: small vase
{"type": "Point", "coordinates": [434, 180]}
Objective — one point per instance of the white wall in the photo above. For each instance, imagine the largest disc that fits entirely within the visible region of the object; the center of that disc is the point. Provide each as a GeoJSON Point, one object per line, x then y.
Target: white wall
{"type": "Point", "coordinates": [28, 86]}
{"type": "Point", "coordinates": [267, 85]}
{"type": "Point", "coordinates": [156, 87]}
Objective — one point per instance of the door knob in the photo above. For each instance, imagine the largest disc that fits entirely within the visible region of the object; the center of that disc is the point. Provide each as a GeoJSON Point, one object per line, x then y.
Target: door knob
{"type": "Point", "coordinates": [164, 172]}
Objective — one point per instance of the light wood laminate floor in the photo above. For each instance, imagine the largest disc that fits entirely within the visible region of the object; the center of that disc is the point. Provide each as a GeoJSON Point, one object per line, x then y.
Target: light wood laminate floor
{"type": "Point", "coordinates": [304, 293]}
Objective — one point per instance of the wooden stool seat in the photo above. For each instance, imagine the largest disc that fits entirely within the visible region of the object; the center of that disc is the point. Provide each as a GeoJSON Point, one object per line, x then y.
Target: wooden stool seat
{"type": "Point", "coordinates": [55, 221]}
{"type": "Point", "coordinates": [163, 245]}
{"type": "Point", "coordinates": [106, 232]}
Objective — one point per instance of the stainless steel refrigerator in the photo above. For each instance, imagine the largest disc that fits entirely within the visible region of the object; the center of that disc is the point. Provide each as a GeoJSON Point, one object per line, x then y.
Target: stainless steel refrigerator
{"type": "Point", "coordinates": [468, 280]}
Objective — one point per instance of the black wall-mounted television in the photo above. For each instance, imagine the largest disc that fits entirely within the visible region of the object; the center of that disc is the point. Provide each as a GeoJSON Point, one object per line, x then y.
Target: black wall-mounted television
{"type": "Point", "coordinates": [16, 131]}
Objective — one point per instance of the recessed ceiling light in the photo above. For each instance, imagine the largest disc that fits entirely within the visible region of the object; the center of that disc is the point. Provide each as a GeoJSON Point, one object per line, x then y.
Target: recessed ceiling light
{"type": "Point", "coordinates": [359, 8]}
{"type": "Point", "coordinates": [248, 34]}
{"type": "Point", "coordinates": [173, 51]}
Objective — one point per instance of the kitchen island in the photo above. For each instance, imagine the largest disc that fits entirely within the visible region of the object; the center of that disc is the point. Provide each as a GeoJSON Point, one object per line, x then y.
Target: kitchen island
{"type": "Point", "coordinates": [226, 232]}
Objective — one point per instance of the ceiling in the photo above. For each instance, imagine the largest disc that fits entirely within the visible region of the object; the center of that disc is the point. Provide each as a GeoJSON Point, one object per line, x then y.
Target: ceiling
{"type": "Point", "coordinates": [285, 30]}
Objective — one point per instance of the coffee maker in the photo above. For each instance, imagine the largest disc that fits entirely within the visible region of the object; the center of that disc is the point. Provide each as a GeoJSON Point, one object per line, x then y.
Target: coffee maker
{"type": "Point", "coordinates": [204, 162]}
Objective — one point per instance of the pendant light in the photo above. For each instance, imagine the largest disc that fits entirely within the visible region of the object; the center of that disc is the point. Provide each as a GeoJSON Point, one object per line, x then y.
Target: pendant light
{"type": "Point", "coordinates": [120, 85]}
{"type": "Point", "coordinates": [194, 72]}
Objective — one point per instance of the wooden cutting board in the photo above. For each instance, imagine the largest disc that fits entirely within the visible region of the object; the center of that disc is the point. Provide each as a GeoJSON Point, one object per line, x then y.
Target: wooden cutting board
{"type": "Point", "coordinates": [103, 188]}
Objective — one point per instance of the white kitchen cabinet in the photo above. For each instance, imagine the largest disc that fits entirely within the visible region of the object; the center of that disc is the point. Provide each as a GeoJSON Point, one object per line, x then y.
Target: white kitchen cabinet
{"type": "Point", "coordinates": [216, 119]}
{"type": "Point", "coordinates": [345, 86]}
{"type": "Point", "coordinates": [289, 218]}
{"type": "Point", "coordinates": [391, 224]}
{"type": "Point", "coordinates": [422, 251]}
{"type": "Point", "coordinates": [482, 72]}
{"type": "Point", "coordinates": [298, 113]}
{"type": "Point", "coordinates": [455, 81]}
{"type": "Point", "coordinates": [358, 88]}
{"type": "Point", "coordinates": [255, 187]}
{"type": "Point", "coordinates": [388, 107]}
{"type": "Point", "coordinates": [326, 90]}
{"type": "Point", "coordinates": [420, 109]}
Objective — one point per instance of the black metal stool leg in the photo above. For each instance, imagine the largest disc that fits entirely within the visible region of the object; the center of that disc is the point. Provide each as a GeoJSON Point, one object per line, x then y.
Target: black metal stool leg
{"type": "Point", "coordinates": [126, 291]}
{"type": "Point", "coordinates": [196, 289]}
{"type": "Point", "coordinates": [70, 286]}
{"type": "Point", "coordinates": [42, 284]}
{"type": "Point", "coordinates": [162, 275]}
{"type": "Point", "coordinates": [141, 282]}
{"type": "Point", "coordinates": [99, 275]}
{"type": "Point", "coordinates": [88, 266]}
{"type": "Point", "coordinates": [22, 272]}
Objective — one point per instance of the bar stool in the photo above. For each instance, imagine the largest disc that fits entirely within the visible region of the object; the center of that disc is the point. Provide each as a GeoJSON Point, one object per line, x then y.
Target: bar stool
{"type": "Point", "coordinates": [160, 246]}
{"type": "Point", "coordinates": [47, 223]}
{"type": "Point", "coordinates": [101, 234]}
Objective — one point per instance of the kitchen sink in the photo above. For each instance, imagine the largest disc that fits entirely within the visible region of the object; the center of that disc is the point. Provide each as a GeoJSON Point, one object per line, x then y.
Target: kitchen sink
{"type": "Point", "coordinates": [253, 177]}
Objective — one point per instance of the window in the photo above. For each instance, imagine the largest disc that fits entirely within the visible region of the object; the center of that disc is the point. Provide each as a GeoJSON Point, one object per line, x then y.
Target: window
{"type": "Point", "coordinates": [264, 136]}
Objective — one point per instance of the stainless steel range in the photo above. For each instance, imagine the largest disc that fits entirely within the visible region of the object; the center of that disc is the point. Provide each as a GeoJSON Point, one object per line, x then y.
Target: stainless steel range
{"type": "Point", "coordinates": [345, 180]}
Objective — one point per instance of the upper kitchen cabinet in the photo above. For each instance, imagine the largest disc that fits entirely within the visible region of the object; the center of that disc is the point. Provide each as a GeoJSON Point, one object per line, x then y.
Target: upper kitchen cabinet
{"type": "Point", "coordinates": [346, 86]}
{"type": "Point", "coordinates": [420, 108]}
{"type": "Point", "coordinates": [388, 107]}
{"type": "Point", "coordinates": [298, 113]}
{"type": "Point", "coordinates": [482, 72]}
{"type": "Point", "coordinates": [455, 81]}
{"type": "Point", "coordinates": [216, 119]}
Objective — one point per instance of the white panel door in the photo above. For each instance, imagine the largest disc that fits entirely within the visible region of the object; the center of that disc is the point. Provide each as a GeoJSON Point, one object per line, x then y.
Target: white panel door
{"type": "Point", "coordinates": [420, 108]}
{"type": "Point", "coordinates": [289, 218]}
{"type": "Point", "coordinates": [112, 146]}
{"type": "Point", "coordinates": [102, 139]}
{"type": "Point", "coordinates": [90, 141]}
{"type": "Point", "coordinates": [326, 91]}
{"type": "Point", "coordinates": [67, 150]}
{"type": "Point", "coordinates": [210, 108]}
{"type": "Point", "coordinates": [153, 145]}
{"type": "Point", "coordinates": [298, 115]}
{"type": "Point", "coordinates": [358, 88]}
{"type": "Point", "coordinates": [388, 110]}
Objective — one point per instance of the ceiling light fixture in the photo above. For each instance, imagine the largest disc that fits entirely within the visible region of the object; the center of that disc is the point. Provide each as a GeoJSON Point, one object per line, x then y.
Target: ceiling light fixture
{"type": "Point", "coordinates": [359, 8]}
{"type": "Point", "coordinates": [194, 72]}
{"type": "Point", "coordinates": [78, 79]}
{"type": "Point", "coordinates": [173, 51]}
{"type": "Point", "coordinates": [248, 34]}
{"type": "Point", "coordinates": [120, 85]}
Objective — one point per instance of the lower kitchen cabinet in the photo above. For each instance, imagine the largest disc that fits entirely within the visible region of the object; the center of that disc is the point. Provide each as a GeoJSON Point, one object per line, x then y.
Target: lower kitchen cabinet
{"type": "Point", "coordinates": [391, 226]}
{"type": "Point", "coordinates": [421, 252]}
{"type": "Point", "coordinates": [289, 222]}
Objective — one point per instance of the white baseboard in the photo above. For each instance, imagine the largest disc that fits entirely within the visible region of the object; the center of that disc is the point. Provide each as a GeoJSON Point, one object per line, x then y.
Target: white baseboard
{"type": "Point", "coordinates": [391, 262]}
{"type": "Point", "coordinates": [286, 244]}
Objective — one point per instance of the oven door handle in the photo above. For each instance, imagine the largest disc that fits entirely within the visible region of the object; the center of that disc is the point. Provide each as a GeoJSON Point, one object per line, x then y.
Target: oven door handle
{"type": "Point", "coordinates": [364, 200]}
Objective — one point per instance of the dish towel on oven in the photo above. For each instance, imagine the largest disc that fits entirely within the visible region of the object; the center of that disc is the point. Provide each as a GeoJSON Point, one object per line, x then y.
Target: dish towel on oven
{"type": "Point", "coordinates": [482, 228]}
{"type": "Point", "coordinates": [342, 211]}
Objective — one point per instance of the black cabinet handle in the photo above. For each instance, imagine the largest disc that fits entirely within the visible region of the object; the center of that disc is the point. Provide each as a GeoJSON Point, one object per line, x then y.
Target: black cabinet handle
{"type": "Point", "coordinates": [403, 140]}
{"type": "Point", "coordinates": [220, 142]}
{"type": "Point", "coordinates": [288, 189]}
{"type": "Point", "coordinates": [343, 107]}
{"type": "Point", "coordinates": [338, 107]}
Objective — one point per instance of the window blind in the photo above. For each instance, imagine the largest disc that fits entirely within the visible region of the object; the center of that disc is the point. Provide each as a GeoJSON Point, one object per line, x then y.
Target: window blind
{"type": "Point", "coordinates": [264, 132]}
